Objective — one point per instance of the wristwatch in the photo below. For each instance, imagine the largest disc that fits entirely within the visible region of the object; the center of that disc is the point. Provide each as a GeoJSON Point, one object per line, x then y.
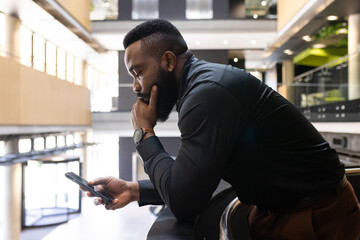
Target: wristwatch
{"type": "Point", "coordinates": [140, 133]}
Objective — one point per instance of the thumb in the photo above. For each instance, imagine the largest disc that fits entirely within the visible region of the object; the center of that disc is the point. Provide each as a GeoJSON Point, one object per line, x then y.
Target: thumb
{"type": "Point", "coordinates": [98, 181]}
{"type": "Point", "coordinates": [153, 96]}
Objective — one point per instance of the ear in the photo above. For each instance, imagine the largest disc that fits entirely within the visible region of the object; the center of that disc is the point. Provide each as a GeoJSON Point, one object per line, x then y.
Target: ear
{"type": "Point", "coordinates": [168, 61]}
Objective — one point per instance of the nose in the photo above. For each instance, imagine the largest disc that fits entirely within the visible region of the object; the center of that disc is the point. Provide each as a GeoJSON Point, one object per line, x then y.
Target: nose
{"type": "Point", "coordinates": [136, 86]}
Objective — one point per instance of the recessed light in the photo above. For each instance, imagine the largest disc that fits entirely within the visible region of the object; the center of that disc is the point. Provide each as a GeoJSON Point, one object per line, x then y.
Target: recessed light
{"type": "Point", "coordinates": [235, 59]}
{"type": "Point", "coordinates": [288, 52]}
{"type": "Point", "coordinates": [306, 38]}
{"type": "Point", "coordinates": [225, 42]}
{"type": "Point", "coordinates": [263, 3]}
{"type": "Point", "coordinates": [319, 45]}
{"type": "Point", "coordinates": [255, 16]}
{"type": "Point", "coordinates": [332, 18]}
{"type": "Point", "coordinates": [107, 4]}
{"type": "Point", "coordinates": [253, 42]}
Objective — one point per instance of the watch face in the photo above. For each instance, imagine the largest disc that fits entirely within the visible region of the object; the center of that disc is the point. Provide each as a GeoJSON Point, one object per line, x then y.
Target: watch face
{"type": "Point", "coordinates": [138, 134]}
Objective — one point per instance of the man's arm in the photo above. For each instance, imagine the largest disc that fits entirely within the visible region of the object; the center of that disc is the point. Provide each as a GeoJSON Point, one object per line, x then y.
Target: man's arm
{"type": "Point", "coordinates": [148, 194]}
{"type": "Point", "coordinates": [207, 123]}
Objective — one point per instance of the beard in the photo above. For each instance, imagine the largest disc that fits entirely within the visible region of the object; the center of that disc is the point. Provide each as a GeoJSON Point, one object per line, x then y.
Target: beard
{"type": "Point", "coordinates": [167, 94]}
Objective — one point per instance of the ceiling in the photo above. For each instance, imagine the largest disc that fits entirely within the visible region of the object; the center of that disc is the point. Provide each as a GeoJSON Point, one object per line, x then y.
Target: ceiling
{"type": "Point", "coordinates": [308, 23]}
{"type": "Point", "coordinates": [255, 39]}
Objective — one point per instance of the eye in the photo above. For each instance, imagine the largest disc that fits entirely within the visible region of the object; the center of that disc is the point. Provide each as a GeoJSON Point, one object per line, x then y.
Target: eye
{"type": "Point", "coordinates": [138, 74]}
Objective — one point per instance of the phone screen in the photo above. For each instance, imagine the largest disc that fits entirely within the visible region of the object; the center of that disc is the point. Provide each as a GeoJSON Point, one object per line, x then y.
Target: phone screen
{"type": "Point", "coordinates": [84, 184]}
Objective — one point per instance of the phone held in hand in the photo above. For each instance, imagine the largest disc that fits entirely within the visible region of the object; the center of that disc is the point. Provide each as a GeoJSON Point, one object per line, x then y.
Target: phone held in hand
{"type": "Point", "coordinates": [84, 184]}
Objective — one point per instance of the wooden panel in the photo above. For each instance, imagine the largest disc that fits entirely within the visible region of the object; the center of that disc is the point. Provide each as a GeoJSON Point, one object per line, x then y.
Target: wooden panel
{"type": "Point", "coordinates": [286, 10]}
{"type": "Point", "coordinates": [36, 98]}
{"type": "Point", "coordinates": [9, 91]}
{"type": "Point", "coordinates": [79, 9]}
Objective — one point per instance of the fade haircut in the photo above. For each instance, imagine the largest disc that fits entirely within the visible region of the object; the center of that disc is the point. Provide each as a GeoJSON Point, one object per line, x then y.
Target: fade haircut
{"type": "Point", "coordinates": [157, 36]}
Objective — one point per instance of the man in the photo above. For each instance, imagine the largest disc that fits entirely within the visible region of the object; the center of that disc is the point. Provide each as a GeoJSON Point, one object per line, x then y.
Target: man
{"type": "Point", "coordinates": [233, 127]}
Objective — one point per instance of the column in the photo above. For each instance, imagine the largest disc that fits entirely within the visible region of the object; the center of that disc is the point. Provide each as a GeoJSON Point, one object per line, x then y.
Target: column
{"type": "Point", "coordinates": [124, 9]}
{"type": "Point", "coordinates": [354, 56]}
{"type": "Point", "coordinates": [172, 9]}
{"type": "Point", "coordinates": [12, 179]}
{"type": "Point", "coordinates": [288, 79]}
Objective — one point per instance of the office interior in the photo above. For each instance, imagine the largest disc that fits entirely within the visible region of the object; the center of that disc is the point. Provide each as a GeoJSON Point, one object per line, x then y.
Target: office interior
{"type": "Point", "coordinates": [66, 96]}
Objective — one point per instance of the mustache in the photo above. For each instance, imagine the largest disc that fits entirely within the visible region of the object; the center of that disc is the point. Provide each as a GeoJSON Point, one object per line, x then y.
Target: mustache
{"type": "Point", "coordinates": [142, 95]}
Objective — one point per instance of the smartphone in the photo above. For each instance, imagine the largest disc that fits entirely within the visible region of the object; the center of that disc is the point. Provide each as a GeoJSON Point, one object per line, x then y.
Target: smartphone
{"type": "Point", "coordinates": [84, 184]}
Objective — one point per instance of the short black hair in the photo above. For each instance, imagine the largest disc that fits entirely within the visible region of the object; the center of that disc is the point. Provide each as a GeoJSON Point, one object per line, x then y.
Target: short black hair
{"type": "Point", "coordinates": [157, 36]}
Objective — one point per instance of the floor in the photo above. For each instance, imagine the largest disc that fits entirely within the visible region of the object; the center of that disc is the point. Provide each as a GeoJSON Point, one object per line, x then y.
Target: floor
{"type": "Point", "coordinates": [95, 222]}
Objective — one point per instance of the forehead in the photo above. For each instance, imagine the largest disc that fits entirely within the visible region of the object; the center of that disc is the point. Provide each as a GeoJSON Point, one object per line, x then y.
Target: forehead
{"type": "Point", "coordinates": [135, 55]}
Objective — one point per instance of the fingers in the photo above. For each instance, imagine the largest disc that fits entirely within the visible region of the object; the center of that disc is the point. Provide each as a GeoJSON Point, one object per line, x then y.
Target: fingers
{"type": "Point", "coordinates": [113, 205]}
{"type": "Point", "coordinates": [97, 201]}
{"type": "Point", "coordinates": [153, 97]}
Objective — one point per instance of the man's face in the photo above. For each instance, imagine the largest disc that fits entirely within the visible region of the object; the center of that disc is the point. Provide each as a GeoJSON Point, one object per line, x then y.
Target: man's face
{"type": "Point", "coordinates": [147, 72]}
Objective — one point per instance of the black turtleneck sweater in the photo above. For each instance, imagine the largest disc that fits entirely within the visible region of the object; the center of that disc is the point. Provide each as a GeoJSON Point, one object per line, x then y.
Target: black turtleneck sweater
{"type": "Point", "coordinates": [236, 128]}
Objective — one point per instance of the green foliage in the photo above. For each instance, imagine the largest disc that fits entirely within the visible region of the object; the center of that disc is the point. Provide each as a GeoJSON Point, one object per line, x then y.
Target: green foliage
{"type": "Point", "coordinates": [329, 30]}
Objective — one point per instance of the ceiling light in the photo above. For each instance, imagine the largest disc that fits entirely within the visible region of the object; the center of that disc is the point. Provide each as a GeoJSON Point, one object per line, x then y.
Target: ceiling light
{"type": "Point", "coordinates": [255, 16]}
{"type": "Point", "coordinates": [253, 42]}
{"type": "Point", "coordinates": [288, 52]}
{"type": "Point", "coordinates": [264, 66]}
{"type": "Point", "coordinates": [332, 18]}
{"type": "Point", "coordinates": [263, 3]}
{"type": "Point", "coordinates": [235, 59]}
{"type": "Point", "coordinates": [319, 45]}
{"type": "Point", "coordinates": [197, 42]}
{"type": "Point", "coordinates": [225, 42]}
{"type": "Point", "coordinates": [306, 38]}
{"type": "Point", "coordinates": [106, 4]}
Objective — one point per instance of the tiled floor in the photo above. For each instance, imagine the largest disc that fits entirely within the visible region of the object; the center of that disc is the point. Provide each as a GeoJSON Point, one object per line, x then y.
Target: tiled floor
{"type": "Point", "coordinates": [95, 222]}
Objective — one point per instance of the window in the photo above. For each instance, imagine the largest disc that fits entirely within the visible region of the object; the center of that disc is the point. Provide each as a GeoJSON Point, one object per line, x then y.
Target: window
{"type": "Point", "coordinates": [69, 140]}
{"type": "Point", "coordinates": [60, 141]}
{"type": "Point", "coordinates": [77, 138]}
{"type": "Point", "coordinates": [50, 58]}
{"type": "Point", "coordinates": [24, 145]}
{"type": "Point", "coordinates": [61, 60]}
{"type": "Point", "coordinates": [50, 142]}
{"type": "Point", "coordinates": [69, 67]}
{"type": "Point", "coordinates": [25, 46]}
{"type": "Point", "coordinates": [2, 148]}
{"type": "Point", "coordinates": [199, 9]}
{"type": "Point", "coordinates": [78, 71]}
{"type": "Point", "coordinates": [39, 144]}
{"type": "Point", "coordinates": [145, 9]}
{"type": "Point", "coordinates": [39, 52]}
{"type": "Point", "coordinates": [90, 75]}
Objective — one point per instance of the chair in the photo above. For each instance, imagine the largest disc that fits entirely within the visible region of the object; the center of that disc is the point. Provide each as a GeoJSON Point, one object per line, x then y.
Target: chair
{"type": "Point", "coordinates": [224, 218]}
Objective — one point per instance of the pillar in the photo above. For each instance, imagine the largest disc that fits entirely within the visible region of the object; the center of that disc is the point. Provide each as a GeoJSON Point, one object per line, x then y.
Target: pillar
{"type": "Point", "coordinates": [288, 73]}
{"type": "Point", "coordinates": [354, 56]}
{"type": "Point", "coordinates": [12, 179]}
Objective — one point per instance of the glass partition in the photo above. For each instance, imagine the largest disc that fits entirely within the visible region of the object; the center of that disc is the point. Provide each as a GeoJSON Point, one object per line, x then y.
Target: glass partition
{"type": "Point", "coordinates": [325, 84]}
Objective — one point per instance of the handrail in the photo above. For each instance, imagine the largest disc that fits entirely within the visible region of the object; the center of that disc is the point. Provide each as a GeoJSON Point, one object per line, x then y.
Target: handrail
{"type": "Point", "coordinates": [299, 77]}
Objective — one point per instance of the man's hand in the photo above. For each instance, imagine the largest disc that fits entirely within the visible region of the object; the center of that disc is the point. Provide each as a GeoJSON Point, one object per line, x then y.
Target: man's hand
{"type": "Point", "coordinates": [123, 192]}
{"type": "Point", "coordinates": [144, 115]}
